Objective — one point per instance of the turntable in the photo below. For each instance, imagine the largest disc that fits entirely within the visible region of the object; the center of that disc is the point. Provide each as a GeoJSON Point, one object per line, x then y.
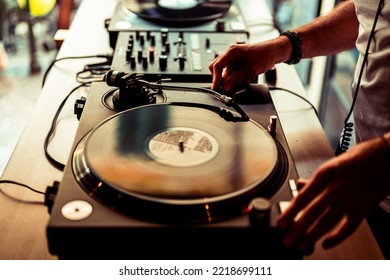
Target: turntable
{"type": "Point", "coordinates": [204, 16]}
{"type": "Point", "coordinates": [175, 174]}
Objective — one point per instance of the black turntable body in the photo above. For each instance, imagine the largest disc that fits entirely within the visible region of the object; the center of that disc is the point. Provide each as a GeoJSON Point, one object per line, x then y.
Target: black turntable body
{"type": "Point", "coordinates": [123, 198]}
{"type": "Point", "coordinates": [171, 169]}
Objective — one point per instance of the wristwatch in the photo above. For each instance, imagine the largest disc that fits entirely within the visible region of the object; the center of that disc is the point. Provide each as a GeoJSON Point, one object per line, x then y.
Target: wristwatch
{"type": "Point", "coordinates": [296, 43]}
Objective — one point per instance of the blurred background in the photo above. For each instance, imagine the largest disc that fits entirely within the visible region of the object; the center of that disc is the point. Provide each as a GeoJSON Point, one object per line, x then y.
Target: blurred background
{"type": "Point", "coordinates": [28, 46]}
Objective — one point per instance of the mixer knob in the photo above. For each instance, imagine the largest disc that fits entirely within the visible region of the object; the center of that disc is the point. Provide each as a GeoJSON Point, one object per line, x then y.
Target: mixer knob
{"type": "Point", "coordinates": [164, 35]}
{"type": "Point", "coordinates": [163, 61]}
{"type": "Point", "coordinates": [182, 59]}
{"type": "Point", "coordinates": [142, 40]}
{"type": "Point", "coordinates": [132, 62]}
{"type": "Point", "coordinates": [260, 212]}
{"type": "Point", "coordinates": [148, 35]}
{"type": "Point", "coordinates": [144, 62]}
{"type": "Point", "coordinates": [179, 42]}
{"type": "Point", "coordinates": [181, 62]}
{"type": "Point", "coordinates": [131, 39]}
{"type": "Point", "coordinates": [137, 33]}
{"type": "Point", "coordinates": [164, 38]}
{"type": "Point", "coordinates": [208, 43]}
{"type": "Point", "coordinates": [139, 55]}
{"type": "Point", "coordinates": [130, 46]}
{"type": "Point", "coordinates": [151, 55]}
{"type": "Point", "coordinates": [167, 47]}
{"type": "Point", "coordinates": [152, 40]}
{"type": "Point", "coordinates": [272, 125]}
{"type": "Point", "coordinates": [129, 52]}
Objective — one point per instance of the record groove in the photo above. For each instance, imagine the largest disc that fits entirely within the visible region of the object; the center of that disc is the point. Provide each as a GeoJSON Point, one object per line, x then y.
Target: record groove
{"type": "Point", "coordinates": [183, 161]}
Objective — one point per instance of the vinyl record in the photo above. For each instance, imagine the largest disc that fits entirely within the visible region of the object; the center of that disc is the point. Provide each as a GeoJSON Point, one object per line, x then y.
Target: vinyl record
{"type": "Point", "coordinates": [172, 12]}
{"type": "Point", "coordinates": [179, 160]}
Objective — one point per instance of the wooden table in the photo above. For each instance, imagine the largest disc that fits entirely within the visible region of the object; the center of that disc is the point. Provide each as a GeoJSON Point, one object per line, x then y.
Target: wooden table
{"type": "Point", "coordinates": [23, 225]}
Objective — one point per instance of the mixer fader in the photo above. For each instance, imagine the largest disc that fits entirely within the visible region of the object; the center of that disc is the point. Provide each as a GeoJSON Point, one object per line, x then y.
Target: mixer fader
{"type": "Point", "coordinates": [178, 55]}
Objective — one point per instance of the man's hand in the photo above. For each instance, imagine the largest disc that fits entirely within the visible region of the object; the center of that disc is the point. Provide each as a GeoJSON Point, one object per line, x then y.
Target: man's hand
{"type": "Point", "coordinates": [240, 64]}
{"type": "Point", "coordinates": [338, 197]}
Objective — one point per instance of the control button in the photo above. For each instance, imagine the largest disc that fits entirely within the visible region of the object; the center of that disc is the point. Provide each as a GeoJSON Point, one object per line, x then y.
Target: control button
{"type": "Point", "coordinates": [194, 39]}
{"type": "Point", "coordinates": [196, 61]}
{"type": "Point", "coordinates": [293, 187]}
{"type": "Point", "coordinates": [77, 210]}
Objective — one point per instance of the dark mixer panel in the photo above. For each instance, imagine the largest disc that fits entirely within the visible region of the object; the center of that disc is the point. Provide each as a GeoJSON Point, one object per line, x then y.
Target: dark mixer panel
{"type": "Point", "coordinates": [205, 17]}
{"type": "Point", "coordinates": [178, 55]}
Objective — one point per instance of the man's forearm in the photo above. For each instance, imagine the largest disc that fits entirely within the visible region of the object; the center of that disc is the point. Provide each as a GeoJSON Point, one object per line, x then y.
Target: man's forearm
{"type": "Point", "coordinates": [330, 34]}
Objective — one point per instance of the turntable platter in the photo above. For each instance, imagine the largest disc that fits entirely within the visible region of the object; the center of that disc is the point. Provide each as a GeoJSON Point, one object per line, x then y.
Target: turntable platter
{"type": "Point", "coordinates": [175, 155]}
{"type": "Point", "coordinates": [179, 11]}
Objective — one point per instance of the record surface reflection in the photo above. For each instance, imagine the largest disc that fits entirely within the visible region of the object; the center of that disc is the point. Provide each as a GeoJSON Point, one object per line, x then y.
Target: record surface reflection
{"type": "Point", "coordinates": [176, 156]}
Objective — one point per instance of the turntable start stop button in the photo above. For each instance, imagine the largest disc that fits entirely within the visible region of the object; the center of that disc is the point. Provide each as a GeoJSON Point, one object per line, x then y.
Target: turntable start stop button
{"type": "Point", "coordinates": [77, 210]}
{"type": "Point", "coordinates": [196, 61]}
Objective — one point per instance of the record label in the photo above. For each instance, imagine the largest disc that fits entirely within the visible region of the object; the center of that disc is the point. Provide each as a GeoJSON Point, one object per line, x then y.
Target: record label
{"type": "Point", "coordinates": [177, 4]}
{"type": "Point", "coordinates": [182, 147]}
{"type": "Point", "coordinates": [172, 12]}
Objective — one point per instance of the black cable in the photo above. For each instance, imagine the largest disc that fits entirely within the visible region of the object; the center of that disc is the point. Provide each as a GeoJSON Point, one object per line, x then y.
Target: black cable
{"type": "Point", "coordinates": [21, 185]}
{"type": "Point", "coordinates": [108, 57]}
{"type": "Point", "coordinates": [24, 186]}
{"type": "Point", "coordinates": [84, 76]}
{"type": "Point", "coordinates": [297, 95]}
{"type": "Point", "coordinates": [346, 137]}
{"type": "Point", "coordinates": [60, 166]}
